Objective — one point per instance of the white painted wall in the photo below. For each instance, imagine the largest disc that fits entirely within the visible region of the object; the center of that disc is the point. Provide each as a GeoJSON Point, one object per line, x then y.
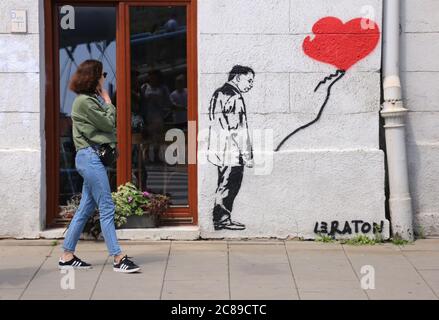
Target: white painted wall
{"type": "Point", "coordinates": [332, 171]}
{"type": "Point", "coordinates": [21, 124]}
{"type": "Point", "coordinates": [420, 66]}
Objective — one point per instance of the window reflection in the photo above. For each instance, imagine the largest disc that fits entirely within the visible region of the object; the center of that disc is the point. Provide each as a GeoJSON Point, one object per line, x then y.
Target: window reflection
{"type": "Point", "coordinates": [158, 97]}
{"type": "Point", "coordinates": [92, 38]}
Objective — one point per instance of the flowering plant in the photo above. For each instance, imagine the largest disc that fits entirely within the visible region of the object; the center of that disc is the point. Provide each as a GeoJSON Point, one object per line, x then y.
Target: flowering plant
{"type": "Point", "coordinates": [129, 201]}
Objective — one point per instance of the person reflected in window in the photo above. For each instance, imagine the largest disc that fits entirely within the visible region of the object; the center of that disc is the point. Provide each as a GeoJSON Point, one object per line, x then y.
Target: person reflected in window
{"type": "Point", "coordinates": [93, 124]}
{"type": "Point", "coordinates": [171, 25]}
{"type": "Point", "coordinates": [179, 101]}
{"type": "Point", "coordinates": [155, 108]}
{"type": "Point", "coordinates": [137, 123]}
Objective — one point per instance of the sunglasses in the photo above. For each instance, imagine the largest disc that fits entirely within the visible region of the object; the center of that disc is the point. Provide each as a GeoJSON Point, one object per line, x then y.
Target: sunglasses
{"type": "Point", "coordinates": [105, 74]}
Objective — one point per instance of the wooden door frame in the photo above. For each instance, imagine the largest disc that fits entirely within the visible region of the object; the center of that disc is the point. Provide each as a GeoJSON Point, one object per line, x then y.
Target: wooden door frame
{"type": "Point", "coordinates": [185, 216]}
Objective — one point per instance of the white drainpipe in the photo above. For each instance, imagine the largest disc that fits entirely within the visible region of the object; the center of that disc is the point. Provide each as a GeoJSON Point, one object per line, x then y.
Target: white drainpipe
{"type": "Point", "coordinates": [394, 113]}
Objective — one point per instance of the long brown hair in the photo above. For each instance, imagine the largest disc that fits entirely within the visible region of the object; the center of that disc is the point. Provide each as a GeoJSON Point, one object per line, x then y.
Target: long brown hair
{"type": "Point", "coordinates": [86, 78]}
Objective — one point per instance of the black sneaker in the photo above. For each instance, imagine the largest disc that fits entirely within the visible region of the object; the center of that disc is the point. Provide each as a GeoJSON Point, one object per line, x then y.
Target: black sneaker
{"type": "Point", "coordinates": [75, 263]}
{"type": "Point", "coordinates": [125, 265]}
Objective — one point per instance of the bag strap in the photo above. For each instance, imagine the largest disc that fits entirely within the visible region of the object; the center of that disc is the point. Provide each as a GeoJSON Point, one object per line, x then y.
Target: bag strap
{"type": "Point", "coordinates": [92, 145]}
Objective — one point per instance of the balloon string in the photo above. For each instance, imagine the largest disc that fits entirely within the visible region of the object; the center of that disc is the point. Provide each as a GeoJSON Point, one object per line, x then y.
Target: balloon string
{"type": "Point", "coordinates": [340, 74]}
{"type": "Point", "coordinates": [326, 79]}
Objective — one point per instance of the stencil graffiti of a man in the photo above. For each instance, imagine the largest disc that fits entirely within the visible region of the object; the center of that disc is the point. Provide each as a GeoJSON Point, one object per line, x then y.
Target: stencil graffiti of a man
{"type": "Point", "coordinates": [230, 148]}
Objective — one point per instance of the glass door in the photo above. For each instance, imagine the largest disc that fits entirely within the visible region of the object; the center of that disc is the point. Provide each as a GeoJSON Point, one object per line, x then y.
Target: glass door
{"type": "Point", "coordinates": [158, 103]}
{"type": "Point", "coordinates": [83, 32]}
{"type": "Point", "coordinates": [158, 66]}
{"type": "Point", "coordinates": [148, 49]}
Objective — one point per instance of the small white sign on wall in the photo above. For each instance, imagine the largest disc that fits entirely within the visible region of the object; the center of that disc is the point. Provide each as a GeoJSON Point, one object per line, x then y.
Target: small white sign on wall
{"type": "Point", "coordinates": [18, 21]}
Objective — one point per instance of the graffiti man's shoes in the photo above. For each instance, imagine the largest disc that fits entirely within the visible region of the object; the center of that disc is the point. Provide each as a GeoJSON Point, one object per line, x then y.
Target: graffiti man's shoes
{"type": "Point", "coordinates": [238, 223]}
{"type": "Point", "coordinates": [229, 225]}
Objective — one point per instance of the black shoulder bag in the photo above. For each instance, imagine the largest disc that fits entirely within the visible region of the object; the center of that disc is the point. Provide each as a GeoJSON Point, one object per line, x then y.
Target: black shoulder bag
{"type": "Point", "coordinates": [106, 153]}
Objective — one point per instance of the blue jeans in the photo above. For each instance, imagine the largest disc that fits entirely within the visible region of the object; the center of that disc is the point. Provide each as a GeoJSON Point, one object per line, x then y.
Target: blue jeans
{"type": "Point", "coordinates": [95, 191]}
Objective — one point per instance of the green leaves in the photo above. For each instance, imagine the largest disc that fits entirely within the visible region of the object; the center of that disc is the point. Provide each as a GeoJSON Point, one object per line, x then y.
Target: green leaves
{"type": "Point", "coordinates": [129, 200]}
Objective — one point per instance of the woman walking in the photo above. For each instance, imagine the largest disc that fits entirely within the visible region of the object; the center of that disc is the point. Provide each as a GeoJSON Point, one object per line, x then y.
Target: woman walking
{"type": "Point", "coordinates": [94, 124]}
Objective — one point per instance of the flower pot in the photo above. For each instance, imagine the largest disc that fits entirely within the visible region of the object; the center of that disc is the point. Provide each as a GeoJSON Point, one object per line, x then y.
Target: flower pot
{"type": "Point", "coordinates": [141, 222]}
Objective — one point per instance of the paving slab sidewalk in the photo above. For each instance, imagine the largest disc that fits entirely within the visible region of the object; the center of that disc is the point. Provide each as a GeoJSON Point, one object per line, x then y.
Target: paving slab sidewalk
{"type": "Point", "coordinates": [223, 270]}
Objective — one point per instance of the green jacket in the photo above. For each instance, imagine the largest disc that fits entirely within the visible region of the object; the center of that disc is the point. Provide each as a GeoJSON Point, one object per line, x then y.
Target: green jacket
{"type": "Point", "coordinates": [94, 120]}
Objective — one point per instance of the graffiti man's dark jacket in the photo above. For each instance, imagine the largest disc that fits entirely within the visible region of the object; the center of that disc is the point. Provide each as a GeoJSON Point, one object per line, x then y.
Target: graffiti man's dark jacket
{"type": "Point", "coordinates": [229, 139]}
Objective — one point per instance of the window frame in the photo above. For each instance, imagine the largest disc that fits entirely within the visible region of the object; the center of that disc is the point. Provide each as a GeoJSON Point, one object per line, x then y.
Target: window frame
{"type": "Point", "coordinates": [174, 216]}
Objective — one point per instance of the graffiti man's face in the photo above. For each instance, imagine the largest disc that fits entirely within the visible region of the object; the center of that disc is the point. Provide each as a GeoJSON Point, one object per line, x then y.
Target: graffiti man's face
{"type": "Point", "coordinates": [245, 82]}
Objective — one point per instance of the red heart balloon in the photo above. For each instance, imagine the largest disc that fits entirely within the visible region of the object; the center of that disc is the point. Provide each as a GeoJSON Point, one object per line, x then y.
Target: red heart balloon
{"type": "Point", "coordinates": [342, 44]}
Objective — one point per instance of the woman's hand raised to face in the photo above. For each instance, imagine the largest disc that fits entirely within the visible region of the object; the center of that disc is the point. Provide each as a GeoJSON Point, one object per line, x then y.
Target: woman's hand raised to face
{"type": "Point", "coordinates": [104, 94]}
